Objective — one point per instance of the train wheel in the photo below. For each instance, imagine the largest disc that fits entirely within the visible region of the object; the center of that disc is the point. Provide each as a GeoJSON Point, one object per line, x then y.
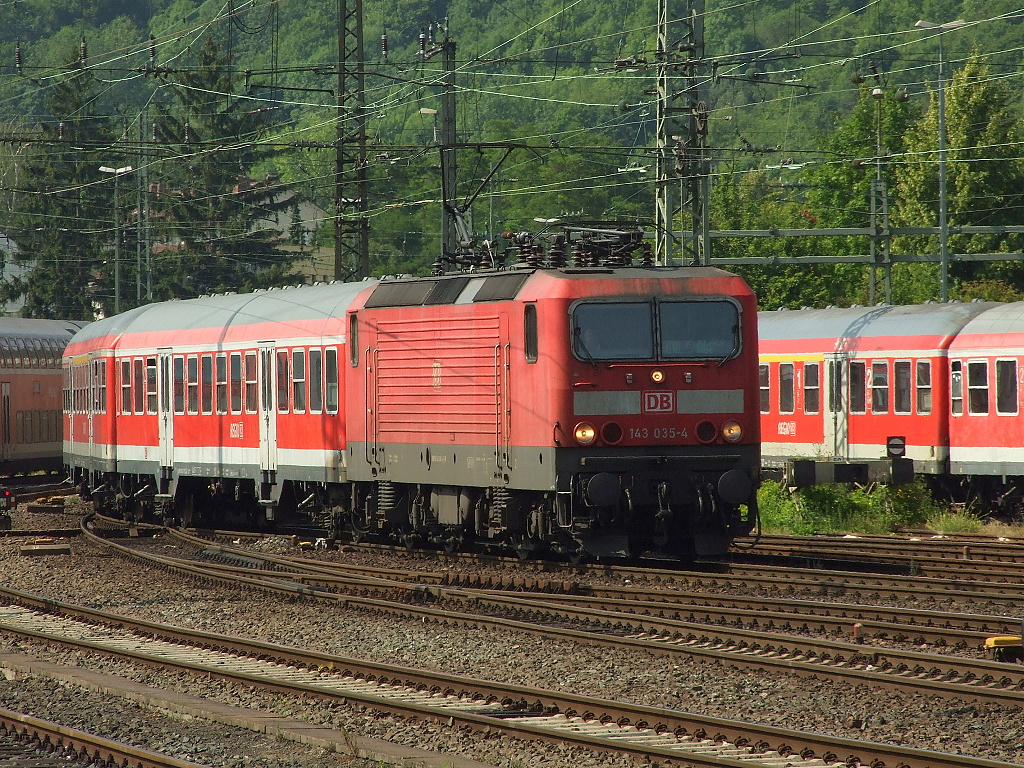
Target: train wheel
{"type": "Point", "coordinates": [188, 510]}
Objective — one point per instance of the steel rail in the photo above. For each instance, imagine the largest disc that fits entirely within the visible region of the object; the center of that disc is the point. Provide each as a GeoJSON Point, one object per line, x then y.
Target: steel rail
{"type": "Point", "coordinates": [641, 731]}
{"type": "Point", "coordinates": [89, 747]}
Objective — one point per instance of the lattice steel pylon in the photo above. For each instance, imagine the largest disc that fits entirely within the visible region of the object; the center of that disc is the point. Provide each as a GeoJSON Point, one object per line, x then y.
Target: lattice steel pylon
{"type": "Point", "coordinates": [683, 165]}
{"type": "Point", "coordinates": [351, 225]}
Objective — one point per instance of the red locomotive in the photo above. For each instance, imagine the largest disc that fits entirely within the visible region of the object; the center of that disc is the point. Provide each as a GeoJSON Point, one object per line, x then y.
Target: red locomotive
{"type": "Point", "coordinates": [597, 408]}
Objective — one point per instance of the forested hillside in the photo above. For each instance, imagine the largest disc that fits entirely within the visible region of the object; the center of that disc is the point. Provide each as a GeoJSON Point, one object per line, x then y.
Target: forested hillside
{"type": "Point", "coordinates": [811, 103]}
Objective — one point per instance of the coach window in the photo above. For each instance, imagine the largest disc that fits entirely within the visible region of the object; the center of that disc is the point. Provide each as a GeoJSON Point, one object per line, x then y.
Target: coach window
{"type": "Point", "coordinates": [150, 385]}
{"type": "Point", "coordinates": [38, 426]}
{"type": "Point", "coordinates": [956, 388]}
{"type": "Point", "coordinates": [20, 426]}
{"type": "Point", "coordinates": [282, 382]}
{"type": "Point", "coordinates": [924, 387]}
{"type": "Point", "coordinates": [126, 386]}
{"type": "Point", "coordinates": [206, 383]}
{"type": "Point", "coordinates": [251, 391]}
{"type": "Point", "coordinates": [298, 381]}
{"type": "Point", "coordinates": [331, 371]}
{"type": "Point", "coordinates": [222, 383]}
{"type": "Point", "coordinates": [1006, 387]}
{"type": "Point", "coordinates": [4, 354]}
{"type": "Point", "coordinates": [316, 381]}
{"type": "Point", "coordinates": [530, 332]}
{"type": "Point", "coordinates": [812, 387]}
{"type": "Point", "coordinates": [902, 383]}
{"type": "Point", "coordinates": [101, 390]}
{"type": "Point", "coordinates": [193, 384]}
{"type": "Point", "coordinates": [236, 382]}
{"type": "Point", "coordinates": [977, 386]}
{"type": "Point", "coordinates": [179, 383]}
{"type": "Point", "coordinates": [786, 390]}
{"type": "Point", "coordinates": [858, 387]}
{"type": "Point", "coordinates": [764, 383]}
{"type": "Point", "coordinates": [353, 339]}
{"type": "Point", "coordinates": [879, 386]}
{"type": "Point", "coordinates": [139, 383]}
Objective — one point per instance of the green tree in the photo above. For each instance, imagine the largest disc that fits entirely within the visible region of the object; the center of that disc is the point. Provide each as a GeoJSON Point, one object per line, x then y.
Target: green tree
{"type": "Point", "coordinates": [212, 218]}
{"type": "Point", "coordinates": [984, 181]}
{"type": "Point", "coordinates": [59, 209]}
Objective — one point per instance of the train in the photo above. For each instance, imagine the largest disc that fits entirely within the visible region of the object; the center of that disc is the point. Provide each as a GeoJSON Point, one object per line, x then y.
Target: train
{"type": "Point", "coordinates": [580, 402]}
{"type": "Point", "coordinates": [888, 393]}
{"type": "Point", "coordinates": [30, 393]}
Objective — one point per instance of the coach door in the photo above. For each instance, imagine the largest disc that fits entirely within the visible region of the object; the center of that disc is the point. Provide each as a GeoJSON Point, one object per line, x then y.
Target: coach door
{"type": "Point", "coordinates": [837, 419]}
{"type": "Point", "coordinates": [5, 414]}
{"type": "Point", "coordinates": [165, 408]}
{"type": "Point", "coordinates": [268, 414]}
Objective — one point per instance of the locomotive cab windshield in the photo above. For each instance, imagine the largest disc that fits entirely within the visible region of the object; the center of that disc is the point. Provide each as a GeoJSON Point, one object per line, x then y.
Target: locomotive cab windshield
{"type": "Point", "coordinates": [656, 330]}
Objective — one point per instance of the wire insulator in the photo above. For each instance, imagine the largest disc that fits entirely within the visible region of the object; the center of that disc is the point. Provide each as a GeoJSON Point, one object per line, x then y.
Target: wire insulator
{"type": "Point", "coordinates": [423, 43]}
{"type": "Point", "coordinates": [384, 45]}
{"type": "Point", "coordinates": [61, 132]}
{"type": "Point", "coordinates": [188, 132]}
{"type": "Point", "coordinates": [152, 51]}
{"type": "Point", "coordinates": [17, 57]}
{"type": "Point", "coordinates": [84, 52]}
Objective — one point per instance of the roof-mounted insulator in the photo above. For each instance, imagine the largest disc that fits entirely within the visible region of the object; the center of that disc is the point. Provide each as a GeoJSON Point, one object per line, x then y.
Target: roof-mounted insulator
{"type": "Point", "coordinates": [17, 57]}
{"type": "Point", "coordinates": [384, 44]}
{"type": "Point", "coordinates": [84, 53]}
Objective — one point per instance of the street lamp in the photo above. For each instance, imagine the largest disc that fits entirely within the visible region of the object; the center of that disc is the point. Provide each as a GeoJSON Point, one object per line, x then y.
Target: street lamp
{"type": "Point", "coordinates": [943, 223]}
{"type": "Point", "coordinates": [118, 172]}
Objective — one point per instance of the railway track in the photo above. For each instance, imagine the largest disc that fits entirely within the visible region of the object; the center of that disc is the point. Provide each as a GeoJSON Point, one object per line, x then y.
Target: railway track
{"type": "Point", "coordinates": [893, 668]}
{"type": "Point", "coordinates": [647, 733]}
{"type": "Point", "coordinates": [29, 742]}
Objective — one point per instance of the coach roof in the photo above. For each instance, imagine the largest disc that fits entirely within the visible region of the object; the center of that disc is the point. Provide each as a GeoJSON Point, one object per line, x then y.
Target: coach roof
{"type": "Point", "coordinates": [884, 321]}
{"type": "Point", "coordinates": [276, 305]}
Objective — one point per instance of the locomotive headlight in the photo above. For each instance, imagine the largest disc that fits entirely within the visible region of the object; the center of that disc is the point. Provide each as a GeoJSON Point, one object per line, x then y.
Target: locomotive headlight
{"type": "Point", "coordinates": [732, 431]}
{"type": "Point", "coordinates": [584, 433]}
{"type": "Point", "coordinates": [657, 376]}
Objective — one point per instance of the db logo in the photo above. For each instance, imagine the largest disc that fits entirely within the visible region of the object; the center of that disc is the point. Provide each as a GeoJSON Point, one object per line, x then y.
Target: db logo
{"type": "Point", "coordinates": [659, 402]}
{"type": "Point", "coordinates": [435, 373]}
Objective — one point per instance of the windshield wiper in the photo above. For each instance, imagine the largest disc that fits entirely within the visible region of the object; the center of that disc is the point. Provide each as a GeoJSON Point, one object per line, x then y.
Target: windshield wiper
{"type": "Point", "coordinates": [582, 346]}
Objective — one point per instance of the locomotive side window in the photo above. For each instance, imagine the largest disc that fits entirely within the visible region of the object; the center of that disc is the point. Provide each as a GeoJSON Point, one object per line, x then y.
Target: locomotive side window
{"type": "Point", "coordinates": [316, 381]}
{"type": "Point", "coordinates": [530, 332]}
{"type": "Point", "coordinates": [956, 388]}
{"type": "Point", "coordinates": [924, 387]}
{"type": "Point", "coordinates": [222, 383]}
{"type": "Point", "coordinates": [764, 383]}
{"type": "Point", "coordinates": [353, 340]}
{"type": "Point", "coordinates": [331, 355]}
{"type": "Point", "coordinates": [282, 382]}
{"type": "Point", "coordinates": [698, 330]}
{"type": "Point", "coordinates": [193, 384]}
{"type": "Point", "coordinates": [787, 398]}
{"type": "Point", "coordinates": [126, 386]}
{"type": "Point", "coordinates": [879, 386]}
{"type": "Point", "coordinates": [858, 383]}
{"type": "Point", "coordinates": [206, 384]}
{"type": "Point", "coordinates": [179, 384]}
{"type": "Point", "coordinates": [977, 386]}
{"type": "Point", "coordinates": [1006, 387]}
{"type": "Point", "coordinates": [298, 381]}
{"type": "Point", "coordinates": [251, 404]}
{"type": "Point", "coordinates": [139, 384]}
{"type": "Point", "coordinates": [901, 399]}
{"type": "Point", "coordinates": [236, 382]}
{"type": "Point", "coordinates": [812, 387]}
{"type": "Point", "coordinates": [613, 331]}
{"type": "Point", "coordinates": [150, 385]}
